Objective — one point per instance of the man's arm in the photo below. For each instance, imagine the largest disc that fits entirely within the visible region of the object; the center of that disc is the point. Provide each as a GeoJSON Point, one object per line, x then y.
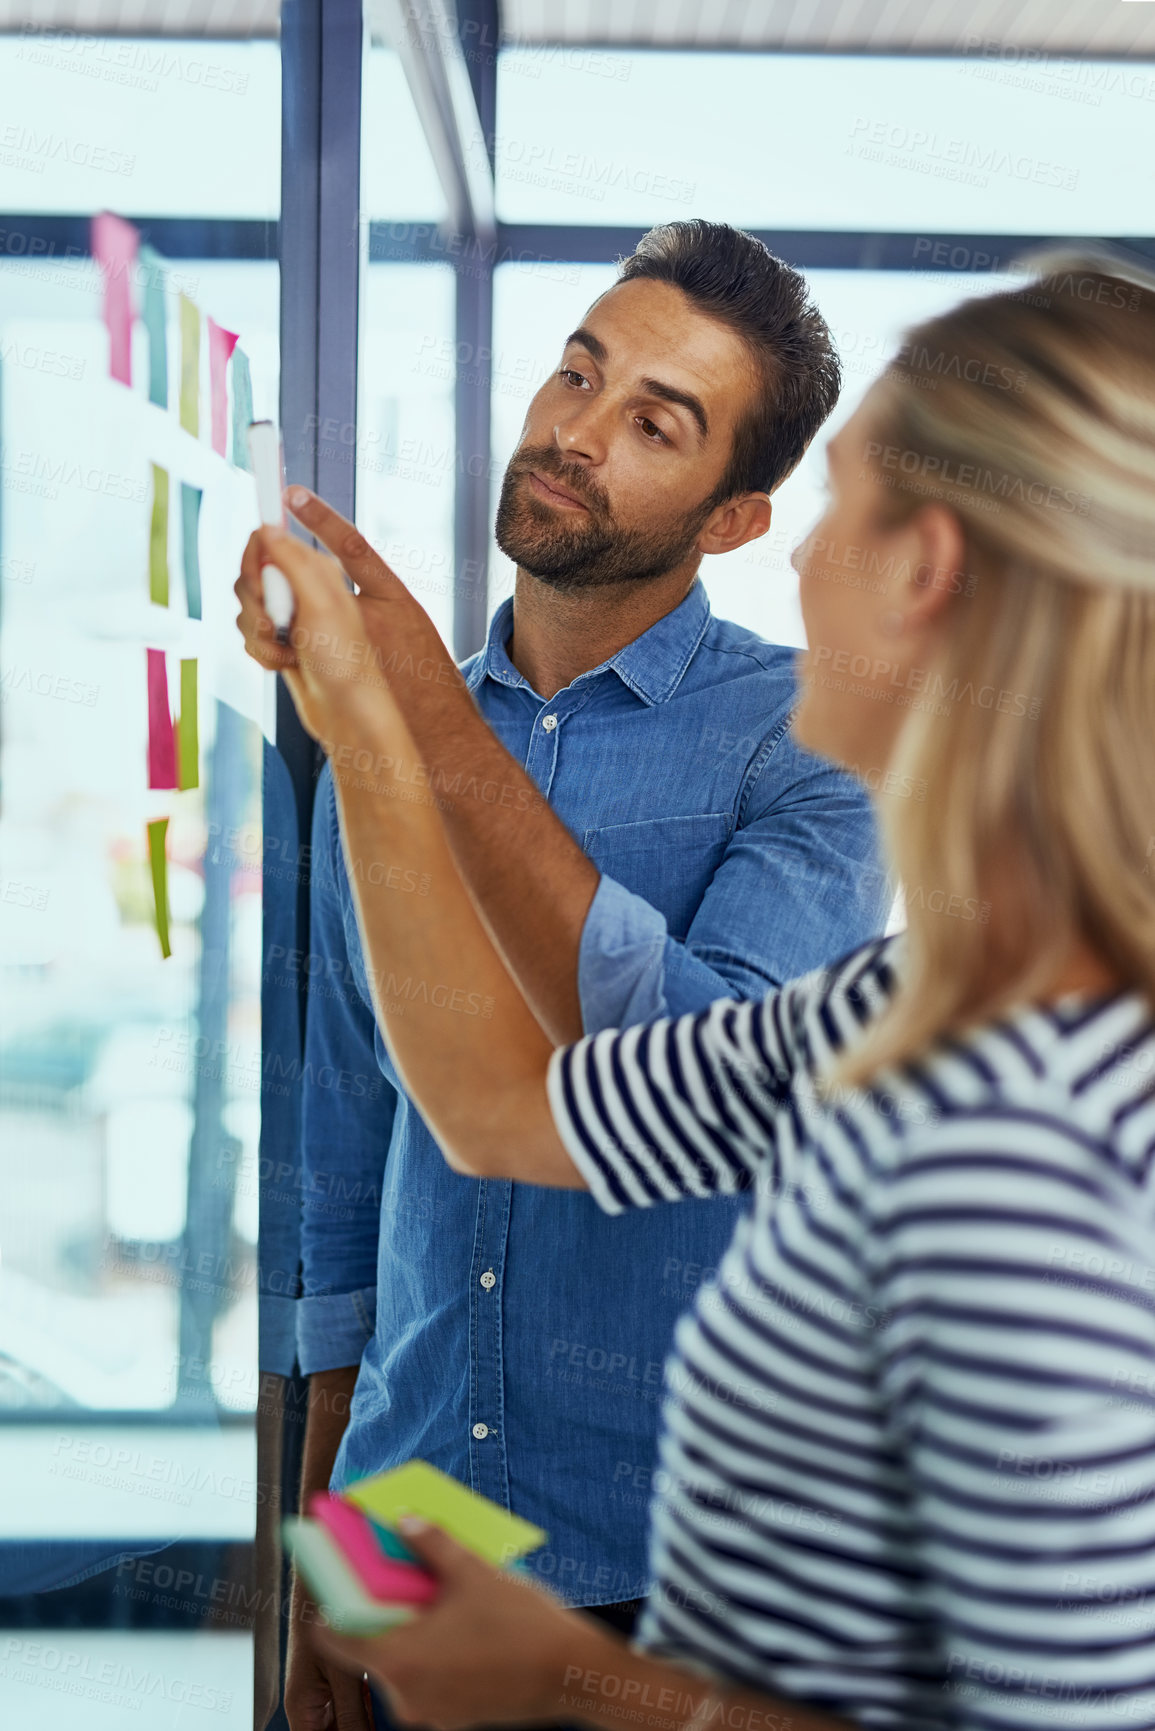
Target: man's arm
{"type": "Point", "coordinates": [315, 1689]}
{"type": "Point", "coordinates": [799, 885]}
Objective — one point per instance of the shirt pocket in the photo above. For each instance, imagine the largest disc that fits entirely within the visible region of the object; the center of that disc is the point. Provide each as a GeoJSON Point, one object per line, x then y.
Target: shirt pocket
{"type": "Point", "coordinates": [668, 861]}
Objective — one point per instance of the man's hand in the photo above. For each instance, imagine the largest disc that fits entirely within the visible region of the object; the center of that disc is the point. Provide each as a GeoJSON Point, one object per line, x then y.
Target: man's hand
{"type": "Point", "coordinates": [312, 1681]}
{"type": "Point", "coordinates": [320, 1695]}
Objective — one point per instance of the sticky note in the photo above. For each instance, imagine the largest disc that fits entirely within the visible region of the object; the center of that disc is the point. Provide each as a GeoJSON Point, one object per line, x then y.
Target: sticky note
{"type": "Point", "coordinates": [190, 522]}
{"type": "Point", "coordinates": [190, 365]}
{"type": "Point", "coordinates": [333, 1582]}
{"type": "Point", "coordinates": [356, 1537]}
{"type": "Point", "coordinates": [185, 734]}
{"type": "Point", "coordinates": [391, 1544]}
{"type": "Point", "coordinates": [153, 314]}
{"type": "Point", "coordinates": [221, 345]}
{"type": "Point", "coordinates": [114, 247]}
{"type": "Point", "coordinates": [420, 1489]}
{"type": "Point", "coordinates": [242, 408]}
{"type": "Point", "coordinates": [162, 770]}
{"type": "Point", "coordinates": [158, 538]}
{"type": "Point", "coordinates": [158, 864]}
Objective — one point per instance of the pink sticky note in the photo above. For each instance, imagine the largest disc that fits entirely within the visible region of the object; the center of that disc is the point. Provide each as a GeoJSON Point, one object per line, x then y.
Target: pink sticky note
{"type": "Point", "coordinates": [114, 247]}
{"type": "Point", "coordinates": [221, 345]}
{"type": "Point", "coordinates": [161, 743]}
{"type": "Point", "coordinates": [384, 1577]}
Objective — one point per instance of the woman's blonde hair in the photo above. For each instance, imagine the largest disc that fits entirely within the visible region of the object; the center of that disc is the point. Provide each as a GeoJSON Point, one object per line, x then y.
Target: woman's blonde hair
{"type": "Point", "coordinates": [1031, 414]}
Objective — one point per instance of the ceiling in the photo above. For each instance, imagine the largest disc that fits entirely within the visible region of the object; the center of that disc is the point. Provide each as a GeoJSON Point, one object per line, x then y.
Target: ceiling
{"type": "Point", "coordinates": [145, 17]}
{"type": "Point", "coordinates": [1101, 27]}
{"type": "Point", "coordinates": [1059, 26]}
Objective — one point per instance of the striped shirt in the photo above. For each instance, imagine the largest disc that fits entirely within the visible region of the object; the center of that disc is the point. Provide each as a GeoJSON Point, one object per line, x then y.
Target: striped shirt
{"type": "Point", "coordinates": [907, 1466]}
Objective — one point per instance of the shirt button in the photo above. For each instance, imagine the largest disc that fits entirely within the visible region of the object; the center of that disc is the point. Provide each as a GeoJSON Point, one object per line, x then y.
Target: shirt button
{"type": "Point", "coordinates": [480, 1431]}
{"type": "Point", "coordinates": [549, 722]}
{"type": "Point", "coordinates": [489, 1280]}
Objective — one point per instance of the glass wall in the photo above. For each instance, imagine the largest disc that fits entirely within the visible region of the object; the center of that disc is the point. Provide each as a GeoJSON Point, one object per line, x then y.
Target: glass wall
{"type": "Point", "coordinates": [604, 141]}
{"type": "Point", "coordinates": [796, 141]}
{"type": "Point", "coordinates": [130, 872]}
{"type": "Point", "coordinates": [407, 350]}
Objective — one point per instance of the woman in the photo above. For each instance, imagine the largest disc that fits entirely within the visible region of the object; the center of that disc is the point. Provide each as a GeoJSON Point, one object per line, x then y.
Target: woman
{"type": "Point", "coordinates": [907, 1473]}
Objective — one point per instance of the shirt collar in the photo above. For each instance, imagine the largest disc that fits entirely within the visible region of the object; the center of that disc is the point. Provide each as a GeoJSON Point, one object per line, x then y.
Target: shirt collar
{"type": "Point", "coordinates": [651, 666]}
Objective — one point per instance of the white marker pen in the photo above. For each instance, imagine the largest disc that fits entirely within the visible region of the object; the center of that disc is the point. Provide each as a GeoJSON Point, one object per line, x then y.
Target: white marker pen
{"type": "Point", "coordinates": [267, 457]}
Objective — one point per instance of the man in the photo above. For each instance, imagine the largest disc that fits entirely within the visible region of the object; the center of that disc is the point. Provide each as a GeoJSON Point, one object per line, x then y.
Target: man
{"type": "Point", "coordinates": [640, 839]}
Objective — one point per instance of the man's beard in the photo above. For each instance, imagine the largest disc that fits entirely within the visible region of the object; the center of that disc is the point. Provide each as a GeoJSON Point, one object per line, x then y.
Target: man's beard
{"type": "Point", "coordinates": [587, 551]}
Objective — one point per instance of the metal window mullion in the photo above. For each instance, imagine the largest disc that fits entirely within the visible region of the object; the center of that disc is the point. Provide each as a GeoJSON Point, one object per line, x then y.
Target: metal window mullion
{"type": "Point", "coordinates": [472, 409]}
{"type": "Point", "coordinates": [339, 254]}
{"type": "Point", "coordinates": [319, 251]}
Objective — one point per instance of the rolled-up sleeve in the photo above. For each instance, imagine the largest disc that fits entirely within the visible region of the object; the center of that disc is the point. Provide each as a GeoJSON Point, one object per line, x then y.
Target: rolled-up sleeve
{"type": "Point", "coordinates": [692, 1107]}
{"type": "Point", "coordinates": [800, 883]}
{"type": "Point", "coordinates": [676, 1109]}
{"type": "Point", "coordinates": [347, 1109]}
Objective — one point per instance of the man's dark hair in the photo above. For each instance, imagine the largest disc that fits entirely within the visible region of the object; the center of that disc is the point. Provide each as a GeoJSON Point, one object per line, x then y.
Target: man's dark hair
{"type": "Point", "coordinates": [734, 278]}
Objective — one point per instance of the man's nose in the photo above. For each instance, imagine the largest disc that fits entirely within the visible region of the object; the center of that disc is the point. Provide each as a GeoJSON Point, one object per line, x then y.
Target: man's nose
{"type": "Point", "coordinates": [582, 434]}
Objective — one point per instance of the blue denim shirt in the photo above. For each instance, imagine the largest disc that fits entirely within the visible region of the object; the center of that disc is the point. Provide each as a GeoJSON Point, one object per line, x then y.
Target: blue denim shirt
{"type": "Point", "coordinates": [513, 1335]}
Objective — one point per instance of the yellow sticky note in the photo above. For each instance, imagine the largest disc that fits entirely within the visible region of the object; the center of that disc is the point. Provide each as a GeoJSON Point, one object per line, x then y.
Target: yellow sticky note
{"type": "Point", "coordinates": [190, 365]}
{"type": "Point", "coordinates": [187, 739]}
{"type": "Point", "coordinates": [420, 1489]}
{"type": "Point", "coordinates": [158, 538]}
{"type": "Point", "coordinates": [158, 863]}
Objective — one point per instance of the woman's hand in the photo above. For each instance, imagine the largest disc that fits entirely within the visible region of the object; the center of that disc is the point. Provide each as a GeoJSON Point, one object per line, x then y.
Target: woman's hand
{"type": "Point", "coordinates": [331, 667]}
{"type": "Point", "coordinates": [494, 1648]}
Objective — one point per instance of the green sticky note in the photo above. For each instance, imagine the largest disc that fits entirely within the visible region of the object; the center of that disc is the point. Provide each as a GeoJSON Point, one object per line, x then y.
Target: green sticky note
{"type": "Point", "coordinates": [153, 314]}
{"type": "Point", "coordinates": [190, 365]}
{"type": "Point", "coordinates": [190, 519]}
{"type": "Point", "coordinates": [158, 538]}
{"type": "Point", "coordinates": [242, 408]}
{"type": "Point", "coordinates": [420, 1489]}
{"type": "Point", "coordinates": [187, 741]}
{"type": "Point", "coordinates": [333, 1582]}
{"type": "Point", "coordinates": [158, 863]}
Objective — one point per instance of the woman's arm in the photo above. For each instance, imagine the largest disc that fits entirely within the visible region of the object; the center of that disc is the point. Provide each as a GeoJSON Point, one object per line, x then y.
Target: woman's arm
{"type": "Point", "coordinates": [468, 1049]}
{"type": "Point", "coordinates": [466, 1045]}
{"type": "Point", "coordinates": [496, 1650]}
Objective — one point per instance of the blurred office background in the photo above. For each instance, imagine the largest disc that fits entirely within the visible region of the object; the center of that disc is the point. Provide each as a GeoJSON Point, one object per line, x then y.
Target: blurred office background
{"type": "Point", "coordinates": [401, 209]}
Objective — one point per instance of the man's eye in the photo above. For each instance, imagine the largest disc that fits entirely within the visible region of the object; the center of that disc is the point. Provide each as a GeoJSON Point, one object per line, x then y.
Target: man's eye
{"type": "Point", "coordinates": [571, 374]}
{"type": "Point", "coordinates": [652, 432]}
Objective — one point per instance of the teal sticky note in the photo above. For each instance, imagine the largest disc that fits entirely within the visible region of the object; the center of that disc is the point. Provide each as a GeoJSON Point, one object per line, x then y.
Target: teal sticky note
{"type": "Point", "coordinates": [190, 519]}
{"type": "Point", "coordinates": [242, 407]}
{"type": "Point", "coordinates": [153, 313]}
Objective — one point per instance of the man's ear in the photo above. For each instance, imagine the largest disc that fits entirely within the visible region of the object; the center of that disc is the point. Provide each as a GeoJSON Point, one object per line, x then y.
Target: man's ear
{"type": "Point", "coordinates": [743, 518]}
